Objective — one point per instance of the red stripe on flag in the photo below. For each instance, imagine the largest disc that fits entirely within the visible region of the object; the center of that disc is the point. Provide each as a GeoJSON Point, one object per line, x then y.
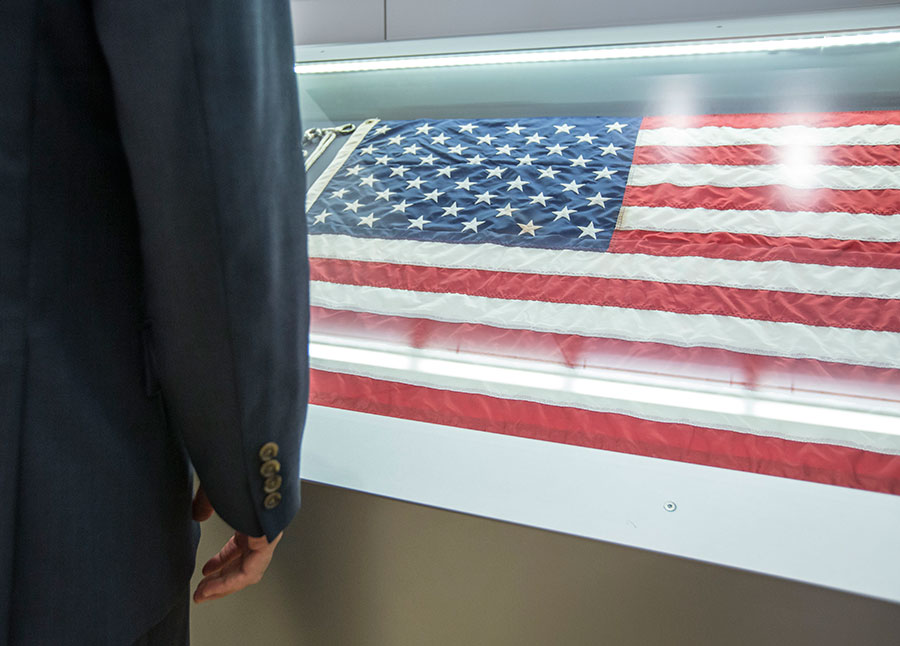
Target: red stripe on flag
{"type": "Point", "coordinates": [761, 155]}
{"type": "Point", "coordinates": [822, 463]}
{"type": "Point", "coordinates": [812, 120]}
{"type": "Point", "coordinates": [776, 198]}
{"type": "Point", "coordinates": [787, 307]}
{"type": "Point", "coordinates": [754, 247]}
{"type": "Point", "coordinates": [699, 364]}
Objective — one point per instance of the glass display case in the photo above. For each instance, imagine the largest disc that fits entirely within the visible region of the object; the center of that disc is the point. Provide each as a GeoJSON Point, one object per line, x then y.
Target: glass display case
{"type": "Point", "coordinates": [639, 285]}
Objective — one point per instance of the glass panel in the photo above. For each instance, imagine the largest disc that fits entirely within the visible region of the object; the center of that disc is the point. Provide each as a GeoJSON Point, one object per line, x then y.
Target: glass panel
{"type": "Point", "coordinates": [827, 79]}
{"type": "Point", "coordinates": [760, 302]}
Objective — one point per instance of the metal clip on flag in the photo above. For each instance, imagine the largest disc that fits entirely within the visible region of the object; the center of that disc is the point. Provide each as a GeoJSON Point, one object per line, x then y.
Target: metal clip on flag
{"type": "Point", "coordinates": [325, 137]}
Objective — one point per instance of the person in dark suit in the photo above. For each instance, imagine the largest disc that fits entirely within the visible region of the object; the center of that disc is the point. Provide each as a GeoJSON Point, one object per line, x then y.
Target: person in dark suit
{"type": "Point", "coordinates": [153, 308]}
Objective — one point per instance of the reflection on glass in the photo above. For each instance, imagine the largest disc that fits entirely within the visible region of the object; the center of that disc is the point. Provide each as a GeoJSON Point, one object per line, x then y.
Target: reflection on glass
{"type": "Point", "coordinates": [709, 271]}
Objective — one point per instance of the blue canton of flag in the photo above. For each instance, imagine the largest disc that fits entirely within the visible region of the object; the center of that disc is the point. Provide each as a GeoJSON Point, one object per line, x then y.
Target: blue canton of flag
{"type": "Point", "coordinates": [538, 182]}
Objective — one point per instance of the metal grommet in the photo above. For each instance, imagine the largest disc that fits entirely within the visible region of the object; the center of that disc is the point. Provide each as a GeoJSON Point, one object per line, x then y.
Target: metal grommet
{"type": "Point", "coordinates": [670, 506]}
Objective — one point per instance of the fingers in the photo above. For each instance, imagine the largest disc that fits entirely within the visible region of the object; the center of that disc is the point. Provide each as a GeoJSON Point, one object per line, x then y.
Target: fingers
{"type": "Point", "coordinates": [201, 509]}
{"type": "Point", "coordinates": [242, 562]}
{"type": "Point", "coordinates": [221, 583]}
{"type": "Point", "coordinates": [228, 553]}
{"type": "Point", "coordinates": [235, 576]}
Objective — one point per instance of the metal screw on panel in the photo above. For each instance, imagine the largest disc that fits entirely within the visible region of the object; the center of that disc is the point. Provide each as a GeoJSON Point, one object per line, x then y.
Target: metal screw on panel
{"type": "Point", "coordinates": [670, 506]}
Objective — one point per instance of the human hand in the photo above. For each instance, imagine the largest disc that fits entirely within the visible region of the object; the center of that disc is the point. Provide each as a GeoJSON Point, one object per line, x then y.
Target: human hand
{"type": "Point", "coordinates": [241, 562]}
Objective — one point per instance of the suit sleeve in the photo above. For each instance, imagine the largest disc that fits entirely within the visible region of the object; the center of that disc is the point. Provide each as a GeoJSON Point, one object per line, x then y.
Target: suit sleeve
{"type": "Point", "coordinates": [208, 116]}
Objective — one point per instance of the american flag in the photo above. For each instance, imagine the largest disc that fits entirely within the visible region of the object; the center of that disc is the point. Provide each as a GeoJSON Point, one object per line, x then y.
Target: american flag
{"type": "Point", "coordinates": [757, 254]}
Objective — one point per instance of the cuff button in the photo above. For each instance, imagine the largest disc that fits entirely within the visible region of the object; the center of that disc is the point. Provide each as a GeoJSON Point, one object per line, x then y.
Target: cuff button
{"type": "Point", "coordinates": [272, 484]}
{"type": "Point", "coordinates": [268, 451]}
{"type": "Point", "coordinates": [269, 468]}
{"type": "Point", "coordinates": [272, 500]}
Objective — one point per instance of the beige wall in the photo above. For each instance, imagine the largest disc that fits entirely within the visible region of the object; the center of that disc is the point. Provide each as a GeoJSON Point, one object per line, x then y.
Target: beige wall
{"type": "Point", "coordinates": [358, 570]}
{"type": "Point", "coordinates": [361, 21]}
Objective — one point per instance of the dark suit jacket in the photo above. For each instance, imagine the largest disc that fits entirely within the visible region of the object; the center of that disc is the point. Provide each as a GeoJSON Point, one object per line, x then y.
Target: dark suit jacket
{"type": "Point", "coordinates": [153, 299]}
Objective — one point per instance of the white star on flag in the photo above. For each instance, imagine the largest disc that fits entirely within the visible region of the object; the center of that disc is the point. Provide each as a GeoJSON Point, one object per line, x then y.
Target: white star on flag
{"type": "Point", "coordinates": [368, 220]}
{"type": "Point", "coordinates": [473, 224]}
{"type": "Point", "coordinates": [465, 184]}
{"type": "Point", "coordinates": [354, 170]}
{"type": "Point", "coordinates": [571, 186]}
{"type": "Point", "coordinates": [525, 161]}
{"type": "Point", "coordinates": [598, 200]}
{"type": "Point", "coordinates": [352, 206]}
{"type": "Point", "coordinates": [506, 210]}
{"type": "Point", "coordinates": [417, 223]}
{"type": "Point", "coordinates": [486, 139]}
{"type": "Point", "coordinates": [529, 228]}
{"type": "Point", "coordinates": [423, 129]}
{"type": "Point", "coordinates": [487, 196]}
{"type": "Point", "coordinates": [396, 139]}
{"type": "Point", "coordinates": [440, 139]}
{"type": "Point", "coordinates": [514, 129]}
{"type": "Point", "coordinates": [517, 183]}
{"type": "Point", "coordinates": [412, 149]}
{"type": "Point", "coordinates": [382, 130]}
{"type": "Point", "coordinates": [540, 198]}
{"type": "Point", "coordinates": [383, 195]}
{"type": "Point", "coordinates": [427, 160]}
{"type": "Point", "coordinates": [549, 172]}
{"type": "Point", "coordinates": [610, 150]}
{"type": "Point", "coordinates": [469, 127]}
{"type": "Point", "coordinates": [401, 207]}
{"type": "Point", "coordinates": [535, 139]}
{"type": "Point", "coordinates": [475, 160]}
{"type": "Point", "coordinates": [399, 171]}
{"type": "Point", "coordinates": [415, 182]}
{"type": "Point", "coordinates": [457, 149]}
{"type": "Point", "coordinates": [435, 194]}
{"type": "Point", "coordinates": [586, 138]}
{"type": "Point", "coordinates": [604, 174]}
{"type": "Point", "coordinates": [589, 230]}
{"type": "Point", "coordinates": [555, 149]}
{"type": "Point", "coordinates": [564, 212]}
{"type": "Point", "coordinates": [321, 217]}
{"type": "Point", "coordinates": [615, 126]}
{"type": "Point", "coordinates": [451, 210]}
{"type": "Point", "coordinates": [368, 180]}
{"type": "Point", "coordinates": [566, 128]}
{"type": "Point", "coordinates": [497, 171]}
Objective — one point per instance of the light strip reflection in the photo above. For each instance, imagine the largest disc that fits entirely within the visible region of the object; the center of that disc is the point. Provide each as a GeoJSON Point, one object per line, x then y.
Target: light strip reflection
{"type": "Point", "coordinates": [738, 46]}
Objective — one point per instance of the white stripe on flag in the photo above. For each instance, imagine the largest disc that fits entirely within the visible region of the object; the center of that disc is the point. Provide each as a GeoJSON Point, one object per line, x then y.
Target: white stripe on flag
{"type": "Point", "coordinates": [775, 275]}
{"type": "Point", "coordinates": [797, 176]}
{"type": "Point", "coordinates": [862, 347]}
{"type": "Point", "coordinates": [868, 227]}
{"type": "Point", "coordinates": [860, 135]}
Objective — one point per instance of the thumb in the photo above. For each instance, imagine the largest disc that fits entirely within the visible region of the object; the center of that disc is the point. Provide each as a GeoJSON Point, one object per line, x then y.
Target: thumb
{"type": "Point", "coordinates": [202, 508]}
